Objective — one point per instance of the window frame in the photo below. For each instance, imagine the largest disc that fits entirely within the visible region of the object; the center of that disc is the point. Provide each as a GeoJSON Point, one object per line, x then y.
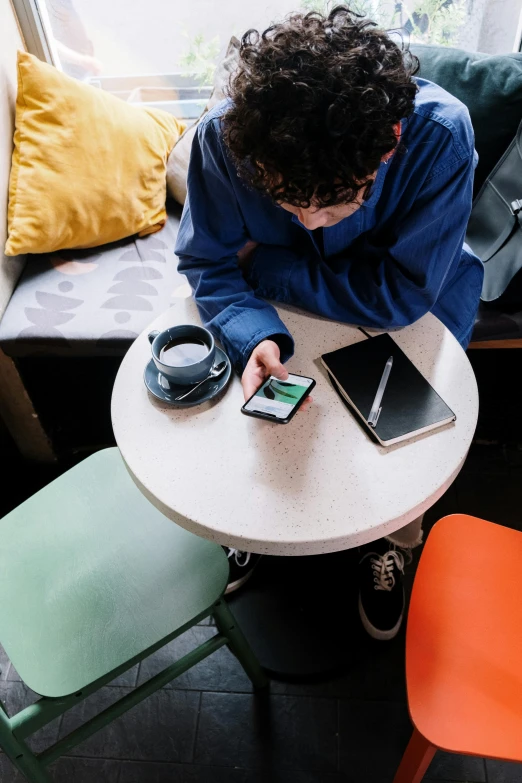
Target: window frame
{"type": "Point", "coordinates": [33, 20]}
{"type": "Point", "coordinates": [32, 24]}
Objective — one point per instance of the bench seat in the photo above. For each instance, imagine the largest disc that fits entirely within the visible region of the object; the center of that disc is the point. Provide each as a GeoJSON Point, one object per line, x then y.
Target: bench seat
{"type": "Point", "coordinates": [93, 302]}
{"type": "Point", "coordinates": [96, 302]}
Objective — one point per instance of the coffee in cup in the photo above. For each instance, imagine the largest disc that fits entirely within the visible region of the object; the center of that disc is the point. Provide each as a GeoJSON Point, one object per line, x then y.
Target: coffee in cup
{"type": "Point", "coordinates": [182, 351]}
{"type": "Point", "coordinates": [183, 354]}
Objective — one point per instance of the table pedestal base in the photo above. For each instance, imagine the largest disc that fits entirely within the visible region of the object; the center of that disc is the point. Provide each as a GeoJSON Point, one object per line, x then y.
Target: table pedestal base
{"type": "Point", "coordinates": [300, 614]}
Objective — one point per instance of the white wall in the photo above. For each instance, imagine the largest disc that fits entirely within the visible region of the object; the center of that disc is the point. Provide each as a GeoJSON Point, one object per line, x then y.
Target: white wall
{"type": "Point", "coordinates": [500, 30]}
{"type": "Point", "coordinates": [10, 41]}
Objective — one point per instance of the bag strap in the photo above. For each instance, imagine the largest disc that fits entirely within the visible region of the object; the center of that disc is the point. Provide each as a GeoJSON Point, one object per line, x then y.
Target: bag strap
{"type": "Point", "coordinates": [508, 229]}
{"type": "Point", "coordinates": [516, 142]}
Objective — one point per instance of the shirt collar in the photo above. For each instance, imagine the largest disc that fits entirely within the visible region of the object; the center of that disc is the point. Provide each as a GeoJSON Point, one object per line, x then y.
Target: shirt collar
{"type": "Point", "coordinates": [381, 173]}
{"type": "Point", "coordinates": [375, 192]}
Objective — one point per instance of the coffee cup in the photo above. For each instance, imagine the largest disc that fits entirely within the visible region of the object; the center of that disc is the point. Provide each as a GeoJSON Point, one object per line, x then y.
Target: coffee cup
{"type": "Point", "coordinates": [184, 354]}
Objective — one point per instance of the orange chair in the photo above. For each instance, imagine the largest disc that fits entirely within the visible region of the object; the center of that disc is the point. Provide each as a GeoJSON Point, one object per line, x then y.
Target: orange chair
{"type": "Point", "coordinates": [464, 645]}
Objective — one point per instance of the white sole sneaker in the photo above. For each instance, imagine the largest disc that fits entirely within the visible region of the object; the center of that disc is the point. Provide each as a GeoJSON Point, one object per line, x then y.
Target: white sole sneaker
{"type": "Point", "coordinates": [376, 633]}
{"type": "Point", "coordinates": [239, 582]}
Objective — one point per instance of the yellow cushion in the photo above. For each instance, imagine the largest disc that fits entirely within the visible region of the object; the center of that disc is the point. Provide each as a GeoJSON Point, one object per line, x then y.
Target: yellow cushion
{"type": "Point", "coordinates": [87, 167]}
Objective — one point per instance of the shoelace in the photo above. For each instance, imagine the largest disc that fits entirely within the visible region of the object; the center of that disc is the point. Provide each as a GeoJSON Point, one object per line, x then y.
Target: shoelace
{"type": "Point", "coordinates": [383, 565]}
{"type": "Point", "coordinates": [237, 554]}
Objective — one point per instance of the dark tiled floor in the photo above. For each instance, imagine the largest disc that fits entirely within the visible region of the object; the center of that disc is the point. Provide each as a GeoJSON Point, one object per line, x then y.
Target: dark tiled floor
{"type": "Point", "coordinates": [208, 727]}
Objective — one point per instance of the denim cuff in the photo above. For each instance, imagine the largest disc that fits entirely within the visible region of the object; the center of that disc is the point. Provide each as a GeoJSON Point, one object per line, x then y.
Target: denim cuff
{"type": "Point", "coordinates": [244, 331]}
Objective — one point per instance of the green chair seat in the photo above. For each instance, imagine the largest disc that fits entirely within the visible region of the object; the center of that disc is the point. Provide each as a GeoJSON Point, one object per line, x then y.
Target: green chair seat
{"type": "Point", "coordinates": [92, 575]}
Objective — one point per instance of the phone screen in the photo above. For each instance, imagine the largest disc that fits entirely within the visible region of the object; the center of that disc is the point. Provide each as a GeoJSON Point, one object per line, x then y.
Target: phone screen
{"type": "Point", "coordinates": [278, 398]}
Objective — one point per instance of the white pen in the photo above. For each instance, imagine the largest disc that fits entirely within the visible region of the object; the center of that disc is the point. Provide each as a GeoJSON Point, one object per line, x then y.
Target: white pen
{"type": "Point", "coordinates": [376, 407]}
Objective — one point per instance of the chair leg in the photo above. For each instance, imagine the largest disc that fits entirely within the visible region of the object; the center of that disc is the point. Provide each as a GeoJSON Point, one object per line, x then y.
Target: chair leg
{"type": "Point", "coordinates": [416, 760]}
{"type": "Point", "coordinates": [19, 753]}
{"type": "Point", "coordinates": [226, 624]}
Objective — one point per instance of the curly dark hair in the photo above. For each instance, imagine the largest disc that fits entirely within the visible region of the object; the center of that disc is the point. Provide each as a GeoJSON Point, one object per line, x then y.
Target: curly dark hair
{"type": "Point", "coordinates": [314, 104]}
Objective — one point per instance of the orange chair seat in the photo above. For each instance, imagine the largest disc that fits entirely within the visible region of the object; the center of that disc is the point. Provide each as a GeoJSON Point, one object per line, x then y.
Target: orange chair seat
{"type": "Point", "coordinates": [464, 639]}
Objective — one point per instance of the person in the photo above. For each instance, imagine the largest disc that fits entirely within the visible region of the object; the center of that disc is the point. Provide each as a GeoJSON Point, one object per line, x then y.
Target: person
{"type": "Point", "coordinates": [74, 47]}
{"type": "Point", "coordinates": [334, 179]}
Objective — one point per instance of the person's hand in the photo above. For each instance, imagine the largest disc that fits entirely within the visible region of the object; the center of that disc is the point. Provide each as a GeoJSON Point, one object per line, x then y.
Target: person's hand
{"type": "Point", "coordinates": [245, 254]}
{"type": "Point", "coordinates": [86, 61]}
{"type": "Point", "coordinates": [92, 65]}
{"type": "Point", "coordinates": [265, 360]}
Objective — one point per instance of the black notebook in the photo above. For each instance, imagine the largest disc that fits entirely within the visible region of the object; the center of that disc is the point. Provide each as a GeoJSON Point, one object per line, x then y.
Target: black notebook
{"type": "Point", "coordinates": [410, 406]}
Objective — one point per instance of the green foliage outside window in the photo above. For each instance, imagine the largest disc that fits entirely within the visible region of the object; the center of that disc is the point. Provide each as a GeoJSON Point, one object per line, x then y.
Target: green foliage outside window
{"type": "Point", "coordinates": [425, 21]}
{"type": "Point", "coordinates": [201, 57]}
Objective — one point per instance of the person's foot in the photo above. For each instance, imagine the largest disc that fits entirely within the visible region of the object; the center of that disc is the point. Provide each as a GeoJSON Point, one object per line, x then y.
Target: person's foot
{"type": "Point", "coordinates": [381, 590]}
{"type": "Point", "coordinates": [242, 565]}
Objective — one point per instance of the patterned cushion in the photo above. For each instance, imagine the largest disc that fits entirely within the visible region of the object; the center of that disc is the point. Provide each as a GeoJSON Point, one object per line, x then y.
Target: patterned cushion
{"type": "Point", "coordinates": [93, 302]}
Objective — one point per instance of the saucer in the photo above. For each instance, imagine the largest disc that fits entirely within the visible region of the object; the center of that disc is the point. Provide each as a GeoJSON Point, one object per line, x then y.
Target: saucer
{"type": "Point", "coordinates": [160, 388]}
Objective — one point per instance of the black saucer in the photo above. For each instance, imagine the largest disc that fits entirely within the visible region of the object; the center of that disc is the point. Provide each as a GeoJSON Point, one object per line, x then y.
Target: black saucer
{"type": "Point", "coordinates": [160, 388]}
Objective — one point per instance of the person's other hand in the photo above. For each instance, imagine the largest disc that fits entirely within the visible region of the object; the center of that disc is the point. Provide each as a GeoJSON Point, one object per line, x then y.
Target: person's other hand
{"type": "Point", "coordinates": [245, 254]}
{"type": "Point", "coordinates": [265, 360]}
{"type": "Point", "coordinates": [92, 65]}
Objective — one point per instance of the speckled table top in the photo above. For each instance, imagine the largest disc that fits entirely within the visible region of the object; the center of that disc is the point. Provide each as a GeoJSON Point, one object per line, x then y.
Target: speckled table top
{"type": "Point", "coordinates": [315, 485]}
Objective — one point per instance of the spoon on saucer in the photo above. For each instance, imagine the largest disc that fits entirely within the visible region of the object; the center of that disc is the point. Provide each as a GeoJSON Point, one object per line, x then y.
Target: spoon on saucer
{"type": "Point", "coordinates": [215, 372]}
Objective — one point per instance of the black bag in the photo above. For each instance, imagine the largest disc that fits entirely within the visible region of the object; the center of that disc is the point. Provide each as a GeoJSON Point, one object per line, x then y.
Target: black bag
{"type": "Point", "coordinates": [495, 227]}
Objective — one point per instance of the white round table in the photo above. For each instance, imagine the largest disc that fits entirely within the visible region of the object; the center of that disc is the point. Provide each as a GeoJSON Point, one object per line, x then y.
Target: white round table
{"type": "Point", "coordinates": [316, 485]}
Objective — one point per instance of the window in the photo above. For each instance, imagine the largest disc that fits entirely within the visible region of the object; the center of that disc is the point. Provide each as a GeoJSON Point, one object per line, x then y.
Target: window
{"type": "Point", "coordinates": [163, 52]}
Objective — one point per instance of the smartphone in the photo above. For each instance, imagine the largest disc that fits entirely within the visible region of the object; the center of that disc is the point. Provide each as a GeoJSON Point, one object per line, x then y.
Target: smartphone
{"type": "Point", "coordinates": [279, 400]}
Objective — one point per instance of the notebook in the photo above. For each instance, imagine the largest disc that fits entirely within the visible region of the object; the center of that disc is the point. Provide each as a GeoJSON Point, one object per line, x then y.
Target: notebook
{"type": "Point", "coordinates": [410, 405]}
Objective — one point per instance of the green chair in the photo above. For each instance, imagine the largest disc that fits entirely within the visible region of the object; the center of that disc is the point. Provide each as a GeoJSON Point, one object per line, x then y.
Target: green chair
{"type": "Point", "coordinates": [93, 579]}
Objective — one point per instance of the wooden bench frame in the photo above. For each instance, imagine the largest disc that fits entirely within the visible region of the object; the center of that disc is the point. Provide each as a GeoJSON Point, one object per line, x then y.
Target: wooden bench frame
{"type": "Point", "coordinates": [19, 415]}
{"type": "Point", "coordinates": [516, 342]}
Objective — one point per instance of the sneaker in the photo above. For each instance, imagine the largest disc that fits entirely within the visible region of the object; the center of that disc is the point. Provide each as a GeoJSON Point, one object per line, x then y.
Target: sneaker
{"type": "Point", "coordinates": [242, 565]}
{"type": "Point", "coordinates": [381, 591]}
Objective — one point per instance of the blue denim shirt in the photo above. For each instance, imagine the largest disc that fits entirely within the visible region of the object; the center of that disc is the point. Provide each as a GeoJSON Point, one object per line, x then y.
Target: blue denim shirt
{"type": "Point", "coordinates": [396, 258]}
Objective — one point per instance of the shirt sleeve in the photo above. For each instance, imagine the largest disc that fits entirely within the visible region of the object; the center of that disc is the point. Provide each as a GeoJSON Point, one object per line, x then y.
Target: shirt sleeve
{"type": "Point", "coordinates": [211, 232]}
{"type": "Point", "coordinates": [387, 284]}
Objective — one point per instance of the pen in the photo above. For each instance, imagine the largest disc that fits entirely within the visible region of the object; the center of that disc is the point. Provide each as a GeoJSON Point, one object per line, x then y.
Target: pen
{"type": "Point", "coordinates": [376, 407]}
